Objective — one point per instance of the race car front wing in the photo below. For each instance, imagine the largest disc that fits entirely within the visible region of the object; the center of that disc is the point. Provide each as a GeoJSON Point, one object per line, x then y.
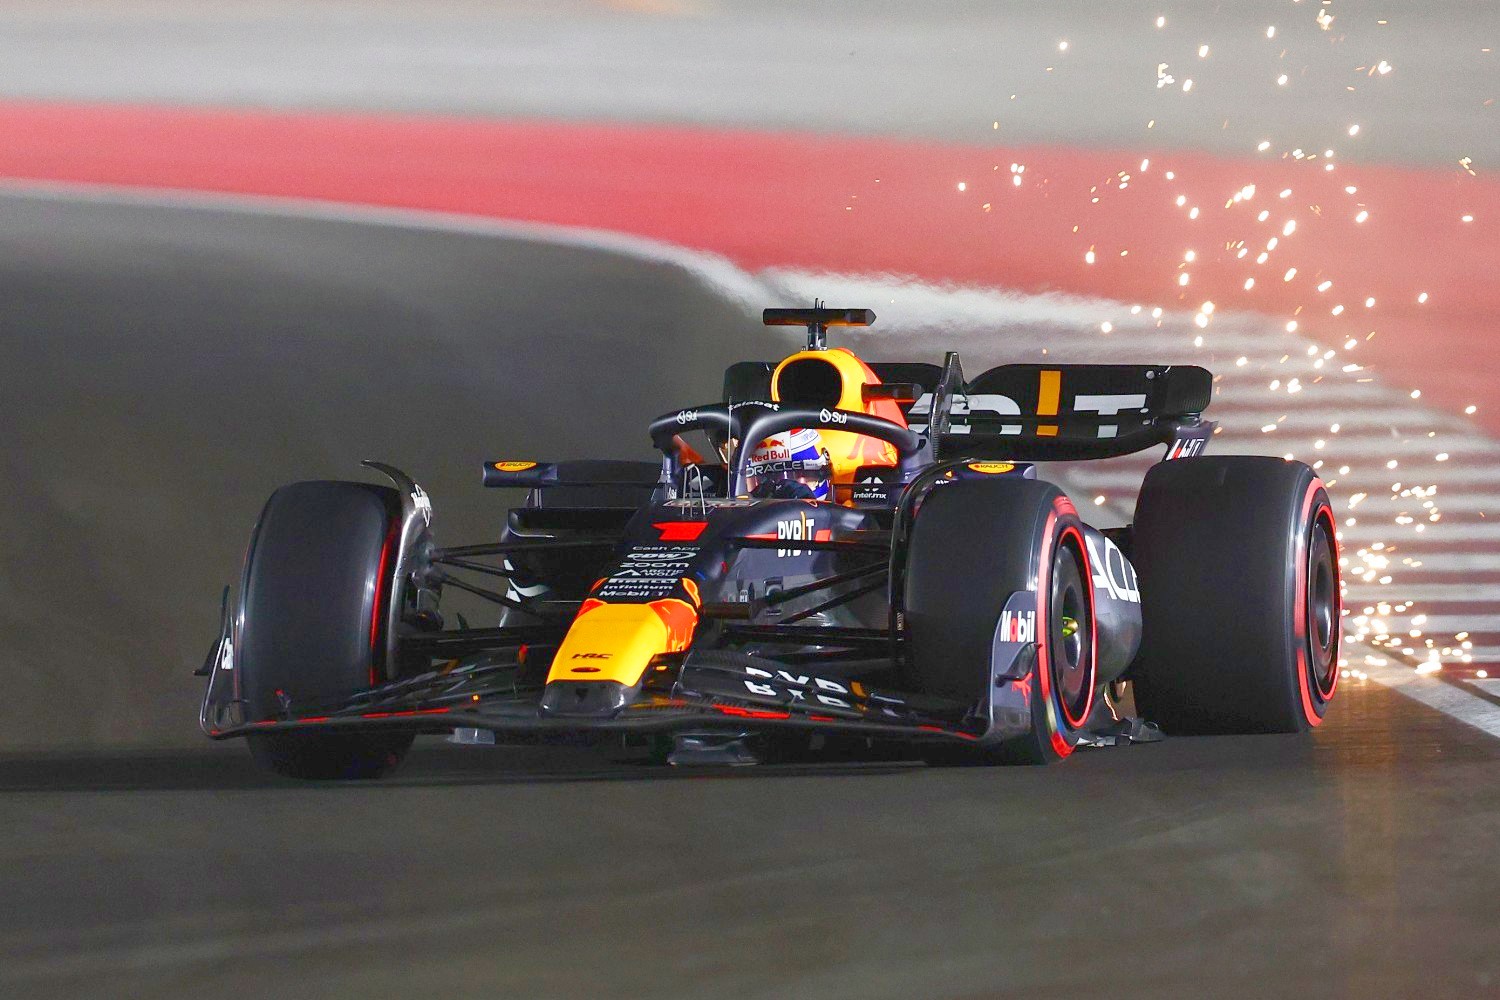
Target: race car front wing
{"type": "Point", "coordinates": [698, 689]}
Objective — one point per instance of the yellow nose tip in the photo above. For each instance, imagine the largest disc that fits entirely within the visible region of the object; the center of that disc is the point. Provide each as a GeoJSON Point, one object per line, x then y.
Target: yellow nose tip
{"type": "Point", "coordinates": [615, 642]}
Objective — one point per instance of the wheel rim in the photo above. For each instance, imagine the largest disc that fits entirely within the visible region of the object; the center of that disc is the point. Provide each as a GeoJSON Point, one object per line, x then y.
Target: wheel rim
{"type": "Point", "coordinates": [1071, 639]}
{"type": "Point", "coordinates": [1322, 607]}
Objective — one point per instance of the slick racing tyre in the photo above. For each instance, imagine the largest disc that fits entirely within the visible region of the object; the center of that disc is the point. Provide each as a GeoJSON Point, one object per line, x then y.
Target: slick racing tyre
{"type": "Point", "coordinates": [318, 580]}
{"type": "Point", "coordinates": [972, 546]}
{"type": "Point", "coordinates": [1239, 580]}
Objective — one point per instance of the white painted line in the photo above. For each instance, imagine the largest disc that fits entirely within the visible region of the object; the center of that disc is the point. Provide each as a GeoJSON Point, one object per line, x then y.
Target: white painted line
{"type": "Point", "coordinates": [1437, 624]}
{"type": "Point", "coordinates": [1453, 533]}
{"type": "Point", "coordinates": [725, 277]}
{"type": "Point", "coordinates": [1489, 685]}
{"type": "Point", "coordinates": [1388, 505]}
{"type": "Point", "coordinates": [1343, 449]}
{"type": "Point", "coordinates": [1451, 479]}
{"type": "Point", "coordinates": [1380, 417]}
{"type": "Point", "coordinates": [1353, 395]}
{"type": "Point", "coordinates": [1447, 593]}
{"type": "Point", "coordinates": [909, 307]}
{"type": "Point", "coordinates": [1433, 693]}
{"type": "Point", "coordinates": [1450, 563]}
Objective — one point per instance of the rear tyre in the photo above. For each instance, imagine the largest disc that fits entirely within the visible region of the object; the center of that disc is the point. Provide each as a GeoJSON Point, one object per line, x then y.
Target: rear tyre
{"type": "Point", "coordinates": [318, 581]}
{"type": "Point", "coordinates": [1239, 580]}
{"type": "Point", "coordinates": [972, 546]}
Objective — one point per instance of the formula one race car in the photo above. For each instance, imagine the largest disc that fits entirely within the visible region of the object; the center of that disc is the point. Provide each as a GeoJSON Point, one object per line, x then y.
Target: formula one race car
{"type": "Point", "coordinates": [852, 554]}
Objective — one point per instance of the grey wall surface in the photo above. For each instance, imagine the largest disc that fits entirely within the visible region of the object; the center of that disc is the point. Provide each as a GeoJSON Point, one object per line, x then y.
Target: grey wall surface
{"type": "Point", "coordinates": [945, 69]}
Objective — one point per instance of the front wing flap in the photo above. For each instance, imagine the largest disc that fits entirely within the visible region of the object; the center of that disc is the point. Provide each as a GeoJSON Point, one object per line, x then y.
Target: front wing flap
{"type": "Point", "coordinates": [704, 689]}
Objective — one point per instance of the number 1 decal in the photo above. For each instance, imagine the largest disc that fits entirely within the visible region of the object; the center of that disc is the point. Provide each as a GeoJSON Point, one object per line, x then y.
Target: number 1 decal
{"type": "Point", "coordinates": [1048, 400]}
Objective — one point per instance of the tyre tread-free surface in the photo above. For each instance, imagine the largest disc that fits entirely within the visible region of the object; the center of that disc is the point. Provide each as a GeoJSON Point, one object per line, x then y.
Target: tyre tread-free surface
{"type": "Point", "coordinates": [973, 544]}
{"type": "Point", "coordinates": [309, 596]}
{"type": "Point", "coordinates": [316, 586]}
{"type": "Point", "coordinates": [1216, 542]}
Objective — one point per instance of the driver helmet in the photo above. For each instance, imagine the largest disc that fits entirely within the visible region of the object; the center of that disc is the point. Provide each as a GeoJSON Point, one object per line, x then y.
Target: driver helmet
{"type": "Point", "coordinates": [794, 465]}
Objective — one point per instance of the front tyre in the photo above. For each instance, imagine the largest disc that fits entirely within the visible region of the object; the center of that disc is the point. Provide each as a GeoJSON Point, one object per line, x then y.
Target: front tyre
{"type": "Point", "coordinates": [1063, 678]}
{"type": "Point", "coordinates": [319, 579]}
{"type": "Point", "coordinates": [1241, 605]}
{"type": "Point", "coordinates": [973, 545]}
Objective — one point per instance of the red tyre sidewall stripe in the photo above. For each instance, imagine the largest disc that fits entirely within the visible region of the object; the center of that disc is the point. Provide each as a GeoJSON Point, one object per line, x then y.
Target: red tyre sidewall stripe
{"type": "Point", "coordinates": [383, 589]}
{"type": "Point", "coordinates": [1060, 745]}
{"type": "Point", "coordinates": [1058, 741]}
{"type": "Point", "coordinates": [1324, 513]}
{"type": "Point", "coordinates": [1088, 703]}
{"type": "Point", "coordinates": [1310, 518]}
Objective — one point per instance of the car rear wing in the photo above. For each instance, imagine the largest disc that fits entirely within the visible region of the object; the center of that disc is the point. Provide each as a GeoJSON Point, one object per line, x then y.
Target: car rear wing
{"type": "Point", "coordinates": [1040, 413]}
{"type": "Point", "coordinates": [1027, 413]}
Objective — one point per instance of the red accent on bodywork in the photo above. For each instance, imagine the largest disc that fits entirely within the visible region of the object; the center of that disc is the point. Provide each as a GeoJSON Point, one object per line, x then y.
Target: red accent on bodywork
{"type": "Point", "coordinates": [819, 535]}
{"type": "Point", "coordinates": [750, 713]}
{"type": "Point", "coordinates": [680, 531]}
{"type": "Point", "coordinates": [368, 715]}
{"type": "Point", "coordinates": [680, 618]}
{"type": "Point", "coordinates": [687, 454]}
{"type": "Point", "coordinates": [948, 732]}
{"type": "Point", "coordinates": [406, 714]}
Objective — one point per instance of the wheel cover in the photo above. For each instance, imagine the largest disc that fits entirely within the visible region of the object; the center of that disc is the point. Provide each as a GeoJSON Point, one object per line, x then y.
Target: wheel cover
{"type": "Point", "coordinates": [1321, 602]}
{"type": "Point", "coordinates": [1070, 638]}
